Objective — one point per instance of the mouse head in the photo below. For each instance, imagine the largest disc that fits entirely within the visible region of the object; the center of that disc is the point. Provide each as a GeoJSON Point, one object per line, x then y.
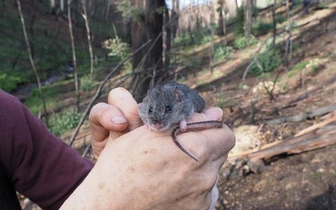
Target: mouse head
{"type": "Point", "coordinates": [163, 107]}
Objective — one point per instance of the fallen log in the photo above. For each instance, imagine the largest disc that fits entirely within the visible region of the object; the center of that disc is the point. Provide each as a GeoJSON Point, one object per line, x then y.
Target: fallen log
{"type": "Point", "coordinates": [318, 138]}
{"type": "Point", "coordinates": [313, 137]}
{"type": "Point", "coordinates": [303, 116]}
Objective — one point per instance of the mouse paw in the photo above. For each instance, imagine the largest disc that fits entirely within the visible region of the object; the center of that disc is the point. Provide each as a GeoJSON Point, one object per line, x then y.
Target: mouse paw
{"type": "Point", "coordinates": [148, 127]}
{"type": "Point", "coordinates": [183, 125]}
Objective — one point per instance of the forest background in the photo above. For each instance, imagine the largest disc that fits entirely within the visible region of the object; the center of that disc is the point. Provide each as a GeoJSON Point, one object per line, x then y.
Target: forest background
{"type": "Point", "coordinates": [270, 64]}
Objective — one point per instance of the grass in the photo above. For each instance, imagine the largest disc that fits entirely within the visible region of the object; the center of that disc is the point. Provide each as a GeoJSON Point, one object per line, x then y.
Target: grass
{"type": "Point", "coordinates": [51, 95]}
{"type": "Point", "coordinates": [242, 42]}
{"type": "Point", "coordinates": [269, 61]}
{"type": "Point", "coordinates": [297, 68]}
{"type": "Point", "coordinates": [62, 122]}
{"type": "Point", "coordinates": [222, 52]}
{"type": "Point", "coordinates": [200, 37]}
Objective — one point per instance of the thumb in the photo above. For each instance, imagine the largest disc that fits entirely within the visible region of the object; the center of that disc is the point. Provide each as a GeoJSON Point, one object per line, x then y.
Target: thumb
{"type": "Point", "coordinates": [123, 99]}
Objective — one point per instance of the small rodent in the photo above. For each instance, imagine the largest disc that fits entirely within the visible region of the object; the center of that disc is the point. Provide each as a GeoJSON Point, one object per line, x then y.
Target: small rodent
{"type": "Point", "coordinates": [168, 107]}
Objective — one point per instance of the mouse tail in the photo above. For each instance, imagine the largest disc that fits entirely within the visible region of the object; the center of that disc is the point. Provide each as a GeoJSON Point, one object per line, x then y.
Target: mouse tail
{"type": "Point", "coordinates": [175, 132]}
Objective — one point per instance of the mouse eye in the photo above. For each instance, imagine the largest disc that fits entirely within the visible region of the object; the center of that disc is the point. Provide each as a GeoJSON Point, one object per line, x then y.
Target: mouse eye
{"type": "Point", "coordinates": [168, 108]}
{"type": "Point", "coordinates": [150, 110]}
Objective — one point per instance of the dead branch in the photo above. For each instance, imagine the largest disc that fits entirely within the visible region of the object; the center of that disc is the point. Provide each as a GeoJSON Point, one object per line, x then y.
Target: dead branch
{"type": "Point", "coordinates": [98, 92]}
{"type": "Point", "coordinates": [315, 126]}
{"type": "Point", "coordinates": [314, 137]}
{"type": "Point", "coordinates": [303, 116]}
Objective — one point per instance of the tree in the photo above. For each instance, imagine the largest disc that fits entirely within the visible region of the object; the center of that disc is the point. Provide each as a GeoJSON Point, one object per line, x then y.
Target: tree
{"type": "Point", "coordinates": [222, 19]}
{"type": "Point", "coordinates": [88, 34]}
{"type": "Point", "coordinates": [74, 60]}
{"type": "Point", "coordinates": [167, 44]}
{"type": "Point", "coordinates": [175, 18]}
{"type": "Point", "coordinates": [248, 18]}
{"type": "Point", "coordinates": [147, 25]}
{"type": "Point", "coordinates": [274, 22]}
{"type": "Point", "coordinates": [31, 59]}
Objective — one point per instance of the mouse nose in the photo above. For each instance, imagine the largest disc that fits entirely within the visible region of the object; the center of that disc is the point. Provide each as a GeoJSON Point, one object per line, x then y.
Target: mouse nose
{"type": "Point", "coordinates": [157, 126]}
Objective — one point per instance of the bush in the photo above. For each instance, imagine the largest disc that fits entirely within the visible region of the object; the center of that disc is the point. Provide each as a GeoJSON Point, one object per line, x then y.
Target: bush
{"type": "Point", "coordinates": [239, 21]}
{"type": "Point", "coordinates": [268, 61]}
{"type": "Point", "coordinates": [242, 42]}
{"type": "Point", "coordinates": [86, 84]}
{"type": "Point", "coordinates": [63, 122]}
{"type": "Point", "coordinates": [222, 52]}
{"type": "Point", "coordinates": [9, 82]}
{"type": "Point", "coordinates": [261, 28]}
{"type": "Point", "coordinates": [51, 95]}
{"type": "Point", "coordinates": [117, 48]}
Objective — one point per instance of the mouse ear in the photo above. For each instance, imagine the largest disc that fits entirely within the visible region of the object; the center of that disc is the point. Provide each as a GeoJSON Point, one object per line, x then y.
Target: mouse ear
{"type": "Point", "coordinates": [178, 94]}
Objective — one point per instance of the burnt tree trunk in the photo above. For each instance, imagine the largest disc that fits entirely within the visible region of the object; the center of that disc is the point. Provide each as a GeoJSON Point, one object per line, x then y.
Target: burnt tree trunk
{"type": "Point", "coordinates": [147, 65]}
{"type": "Point", "coordinates": [168, 39]}
{"type": "Point", "coordinates": [220, 31]}
{"type": "Point", "coordinates": [175, 18]}
{"type": "Point", "coordinates": [248, 18]}
{"type": "Point", "coordinates": [274, 23]}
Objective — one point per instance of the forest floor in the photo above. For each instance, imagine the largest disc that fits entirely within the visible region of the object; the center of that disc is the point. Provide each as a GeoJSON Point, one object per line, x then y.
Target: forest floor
{"type": "Point", "coordinates": [301, 181]}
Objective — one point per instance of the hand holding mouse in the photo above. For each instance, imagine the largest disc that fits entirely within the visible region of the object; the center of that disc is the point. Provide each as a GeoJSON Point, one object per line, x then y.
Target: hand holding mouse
{"type": "Point", "coordinates": [168, 107]}
{"type": "Point", "coordinates": [144, 163]}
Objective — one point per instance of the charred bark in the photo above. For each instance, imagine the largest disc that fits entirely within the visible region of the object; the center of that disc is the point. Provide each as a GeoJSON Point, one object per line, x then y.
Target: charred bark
{"type": "Point", "coordinates": [147, 65]}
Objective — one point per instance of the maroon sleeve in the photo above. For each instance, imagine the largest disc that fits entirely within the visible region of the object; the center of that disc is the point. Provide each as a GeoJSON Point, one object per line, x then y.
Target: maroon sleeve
{"type": "Point", "coordinates": [39, 165]}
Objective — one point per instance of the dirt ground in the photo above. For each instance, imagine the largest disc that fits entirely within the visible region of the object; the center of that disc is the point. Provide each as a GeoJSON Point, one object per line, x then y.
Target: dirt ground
{"type": "Point", "coordinates": [303, 181]}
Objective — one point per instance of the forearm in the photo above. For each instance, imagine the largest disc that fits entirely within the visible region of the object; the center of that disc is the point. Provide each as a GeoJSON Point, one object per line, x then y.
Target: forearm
{"type": "Point", "coordinates": [39, 165]}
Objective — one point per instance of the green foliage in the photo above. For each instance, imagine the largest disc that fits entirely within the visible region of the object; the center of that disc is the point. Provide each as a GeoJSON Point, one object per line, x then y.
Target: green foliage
{"type": "Point", "coordinates": [222, 52]}
{"type": "Point", "coordinates": [199, 36]}
{"type": "Point", "coordinates": [297, 2]}
{"type": "Point", "coordinates": [160, 10]}
{"type": "Point", "coordinates": [239, 22]}
{"type": "Point", "coordinates": [181, 40]}
{"type": "Point", "coordinates": [185, 60]}
{"type": "Point", "coordinates": [49, 48]}
{"type": "Point", "coordinates": [261, 27]}
{"type": "Point", "coordinates": [203, 35]}
{"type": "Point", "coordinates": [86, 84]}
{"type": "Point", "coordinates": [268, 61]}
{"type": "Point", "coordinates": [242, 42]}
{"type": "Point", "coordinates": [34, 102]}
{"type": "Point", "coordinates": [117, 48]}
{"type": "Point", "coordinates": [300, 66]}
{"type": "Point", "coordinates": [63, 122]}
{"type": "Point", "coordinates": [9, 81]}
{"type": "Point", "coordinates": [280, 18]}
{"type": "Point", "coordinates": [190, 62]}
{"type": "Point", "coordinates": [129, 11]}
{"type": "Point", "coordinates": [202, 39]}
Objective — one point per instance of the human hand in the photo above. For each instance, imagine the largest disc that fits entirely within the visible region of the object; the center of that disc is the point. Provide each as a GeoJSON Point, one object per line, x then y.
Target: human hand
{"type": "Point", "coordinates": [143, 169]}
{"type": "Point", "coordinates": [112, 120]}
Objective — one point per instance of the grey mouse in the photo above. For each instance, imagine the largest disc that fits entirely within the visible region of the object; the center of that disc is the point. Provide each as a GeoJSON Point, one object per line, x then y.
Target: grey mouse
{"type": "Point", "coordinates": [168, 107]}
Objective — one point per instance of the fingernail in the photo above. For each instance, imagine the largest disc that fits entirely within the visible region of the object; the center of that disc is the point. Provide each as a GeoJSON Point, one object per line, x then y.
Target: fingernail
{"type": "Point", "coordinates": [214, 113]}
{"type": "Point", "coordinates": [118, 120]}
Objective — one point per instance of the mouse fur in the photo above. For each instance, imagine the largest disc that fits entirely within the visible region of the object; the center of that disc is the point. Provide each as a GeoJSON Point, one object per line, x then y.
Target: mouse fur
{"type": "Point", "coordinates": [168, 105]}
